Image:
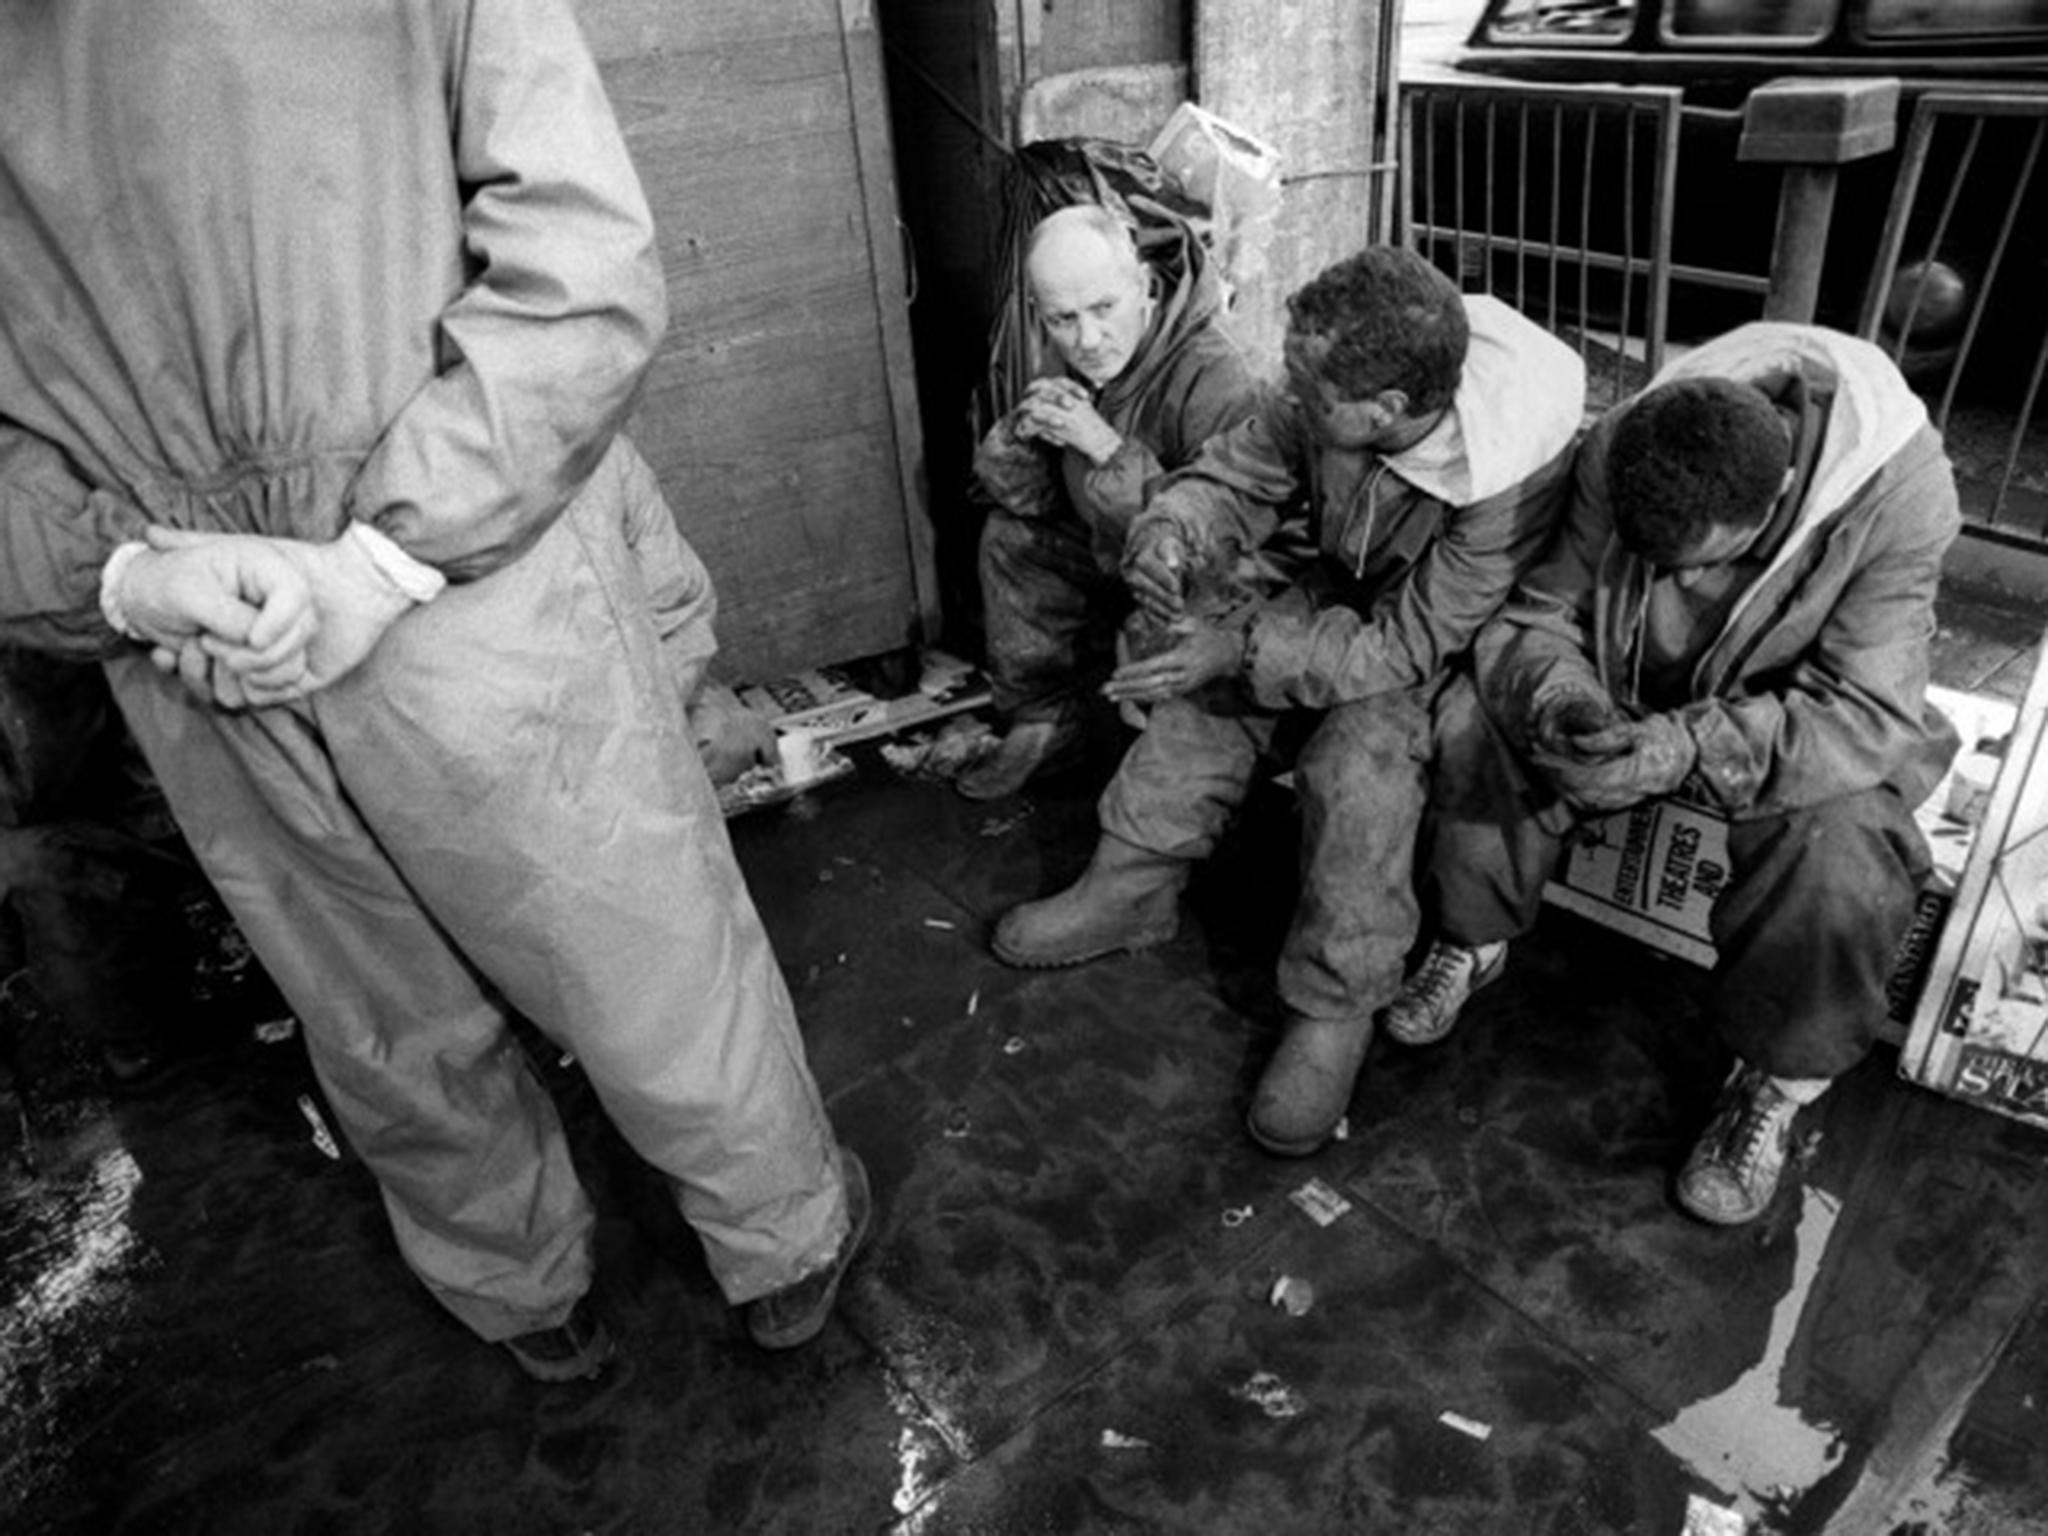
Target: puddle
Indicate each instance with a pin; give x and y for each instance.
(1745, 1440)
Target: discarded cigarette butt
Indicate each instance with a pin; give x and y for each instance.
(322, 1137)
(973, 1001)
(1463, 1425)
(938, 922)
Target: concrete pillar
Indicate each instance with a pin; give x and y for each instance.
(1310, 77)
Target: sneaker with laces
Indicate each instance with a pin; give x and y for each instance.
(796, 1314)
(1429, 1002)
(575, 1349)
(1734, 1168)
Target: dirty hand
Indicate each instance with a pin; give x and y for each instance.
(1202, 654)
(353, 604)
(730, 737)
(184, 592)
(1567, 722)
(1627, 763)
(1155, 569)
(1058, 411)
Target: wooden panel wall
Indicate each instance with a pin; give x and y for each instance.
(780, 412)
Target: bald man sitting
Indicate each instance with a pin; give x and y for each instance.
(1146, 374)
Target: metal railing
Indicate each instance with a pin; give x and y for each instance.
(1959, 296)
(1557, 199)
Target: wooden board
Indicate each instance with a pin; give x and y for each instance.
(780, 412)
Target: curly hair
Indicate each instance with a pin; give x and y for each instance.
(1691, 456)
(1392, 321)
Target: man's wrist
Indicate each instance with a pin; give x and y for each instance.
(414, 579)
(112, 575)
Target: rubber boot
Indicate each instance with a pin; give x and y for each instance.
(1128, 898)
(1306, 1087)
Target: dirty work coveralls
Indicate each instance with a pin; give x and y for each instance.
(275, 265)
(1052, 547)
(92, 869)
(1806, 698)
(1414, 551)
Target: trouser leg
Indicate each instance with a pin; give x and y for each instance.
(419, 1068)
(1807, 929)
(1493, 832)
(552, 817)
(1183, 778)
(1362, 779)
(1049, 611)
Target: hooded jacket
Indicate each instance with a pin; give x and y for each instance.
(1390, 563)
(254, 356)
(1815, 684)
(1187, 381)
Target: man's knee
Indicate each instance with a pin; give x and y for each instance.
(1373, 743)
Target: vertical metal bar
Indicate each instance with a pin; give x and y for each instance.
(1555, 236)
(1429, 100)
(1663, 213)
(1586, 226)
(1492, 192)
(2019, 433)
(1890, 244)
(1948, 208)
(1458, 196)
(1521, 204)
(1989, 280)
(1404, 175)
(1628, 245)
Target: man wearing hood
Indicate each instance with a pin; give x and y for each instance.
(1411, 471)
(1147, 374)
(1738, 610)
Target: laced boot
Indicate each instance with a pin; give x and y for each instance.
(1427, 1007)
(1029, 748)
(1127, 898)
(1306, 1087)
(1734, 1168)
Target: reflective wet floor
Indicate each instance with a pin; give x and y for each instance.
(1089, 1303)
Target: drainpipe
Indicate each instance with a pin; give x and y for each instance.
(1812, 128)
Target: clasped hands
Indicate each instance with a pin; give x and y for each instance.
(1599, 760)
(249, 621)
(1059, 411)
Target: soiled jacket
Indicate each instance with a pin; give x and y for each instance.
(1187, 381)
(1815, 685)
(1394, 561)
(263, 356)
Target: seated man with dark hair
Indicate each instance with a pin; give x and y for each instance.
(1414, 467)
(1738, 608)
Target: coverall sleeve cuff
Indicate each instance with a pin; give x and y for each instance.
(112, 574)
(414, 578)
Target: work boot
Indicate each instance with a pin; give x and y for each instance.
(1734, 1168)
(575, 1349)
(1427, 1007)
(1306, 1087)
(1028, 748)
(1127, 898)
(796, 1314)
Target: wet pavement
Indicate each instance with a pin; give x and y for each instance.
(1071, 1317)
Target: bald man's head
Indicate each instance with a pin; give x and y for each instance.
(1092, 290)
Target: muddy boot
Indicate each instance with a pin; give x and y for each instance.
(1128, 898)
(1306, 1087)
